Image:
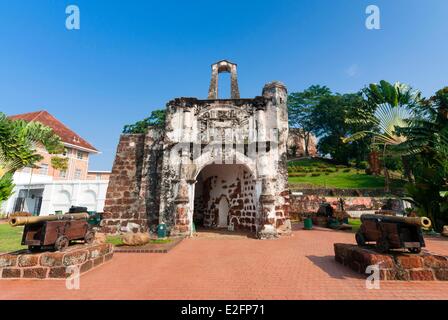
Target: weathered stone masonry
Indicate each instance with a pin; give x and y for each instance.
(183, 173)
(132, 199)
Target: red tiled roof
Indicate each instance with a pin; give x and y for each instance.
(67, 136)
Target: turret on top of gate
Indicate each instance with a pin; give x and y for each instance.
(217, 68)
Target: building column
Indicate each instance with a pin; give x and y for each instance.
(47, 203)
(213, 90)
(182, 200)
(267, 229)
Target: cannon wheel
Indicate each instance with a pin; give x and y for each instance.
(382, 245)
(61, 243)
(415, 250)
(89, 237)
(360, 239)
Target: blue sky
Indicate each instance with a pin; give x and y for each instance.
(131, 57)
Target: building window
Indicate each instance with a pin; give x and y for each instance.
(43, 169)
(80, 155)
(62, 174)
(78, 174)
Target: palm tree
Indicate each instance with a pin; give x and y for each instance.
(427, 131)
(427, 142)
(18, 142)
(393, 105)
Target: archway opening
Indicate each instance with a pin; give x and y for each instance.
(225, 199)
(224, 87)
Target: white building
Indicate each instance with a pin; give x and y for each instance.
(45, 190)
(41, 195)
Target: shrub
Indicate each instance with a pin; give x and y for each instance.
(362, 165)
(315, 174)
(339, 166)
(346, 170)
(297, 174)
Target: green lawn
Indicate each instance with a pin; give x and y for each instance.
(319, 173)
(10, 238)
(355, 223)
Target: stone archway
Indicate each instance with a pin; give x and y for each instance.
(225, 194)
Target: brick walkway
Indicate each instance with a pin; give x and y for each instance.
(297, 267)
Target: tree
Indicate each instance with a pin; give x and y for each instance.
(427, 143)
(300, 108)
(330, 125)
(18, 141)
(156, 119)
(392, 106)
(6, 186)
(427, 131)
(59, 163)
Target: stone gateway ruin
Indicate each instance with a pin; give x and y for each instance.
(217, 163)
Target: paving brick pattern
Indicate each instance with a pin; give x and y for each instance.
(301, 266)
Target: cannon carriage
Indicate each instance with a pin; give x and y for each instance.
(56, 231)
(392, 232)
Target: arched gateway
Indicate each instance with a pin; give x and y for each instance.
(225, 196)
(217, 162)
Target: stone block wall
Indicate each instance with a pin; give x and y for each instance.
(395, 265)
(133, 195)
(53, 265)
(309, 204)
(154, 177)
(238, 189)
(282, 212)
(124, 206)
(296, 144)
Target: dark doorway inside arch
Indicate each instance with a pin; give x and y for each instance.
(225, 199)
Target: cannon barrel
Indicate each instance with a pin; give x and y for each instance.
(21, 221)
(417, 221)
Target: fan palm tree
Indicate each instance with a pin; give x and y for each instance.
(393, 105)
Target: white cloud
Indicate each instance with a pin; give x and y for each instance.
(352, 71)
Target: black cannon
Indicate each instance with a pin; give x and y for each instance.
(55, 231)
(390, 232)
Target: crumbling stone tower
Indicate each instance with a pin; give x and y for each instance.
(217, 163)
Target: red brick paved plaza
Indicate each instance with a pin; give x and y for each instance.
(298, 267)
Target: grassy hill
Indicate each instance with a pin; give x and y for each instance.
(323, 173)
